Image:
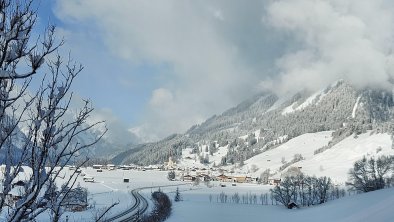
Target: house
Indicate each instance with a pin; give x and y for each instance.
(229, 179)
(111, 167)
(239, 179)
(292, 205)
(97, 166)
(255, 180)
(274, 181)
(204, 177)
(88, 179)
(188, 178)
(249, 179)
(222, 178)
(124, 167)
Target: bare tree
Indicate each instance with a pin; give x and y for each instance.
(264, 177)
(286, 193)
(49, 141)
(303, 191)
(323, 187)
(371, 174)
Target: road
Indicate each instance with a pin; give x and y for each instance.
(139, 207)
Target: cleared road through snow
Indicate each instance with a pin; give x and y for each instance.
(139, 207)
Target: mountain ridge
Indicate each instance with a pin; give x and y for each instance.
(340, 107)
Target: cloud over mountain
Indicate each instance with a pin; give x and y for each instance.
(210, 55)
(351, 40)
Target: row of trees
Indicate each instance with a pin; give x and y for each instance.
(367, 174)
(305, 191)
(237, 198)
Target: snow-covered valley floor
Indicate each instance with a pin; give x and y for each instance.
(197, 205)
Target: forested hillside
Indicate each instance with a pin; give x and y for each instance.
(267, 120)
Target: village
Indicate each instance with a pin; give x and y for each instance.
(96, 183)
(77, 198)
(193, 174)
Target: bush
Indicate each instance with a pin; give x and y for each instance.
(162, 208)
(171, 175)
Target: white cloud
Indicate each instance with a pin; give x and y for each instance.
(117, 133)
(217, 13)
(351, 40)
(161, 97)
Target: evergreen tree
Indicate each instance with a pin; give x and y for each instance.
(171, 175)
(177, 197)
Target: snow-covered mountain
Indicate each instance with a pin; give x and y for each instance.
(268, 122)
(116, 138)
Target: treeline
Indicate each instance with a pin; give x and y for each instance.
(248, 198)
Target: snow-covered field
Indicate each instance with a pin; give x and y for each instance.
(198, 206)
(374, 206)
(109, 188)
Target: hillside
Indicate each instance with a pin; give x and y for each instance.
(263, 123)
(334, 162)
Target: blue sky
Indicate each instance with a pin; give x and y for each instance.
(158, 67)
(109, 81)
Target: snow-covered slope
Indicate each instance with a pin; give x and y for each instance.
(314, 99)
(305, 145)
(334, 162)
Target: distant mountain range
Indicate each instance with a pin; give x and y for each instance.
(114, 141)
